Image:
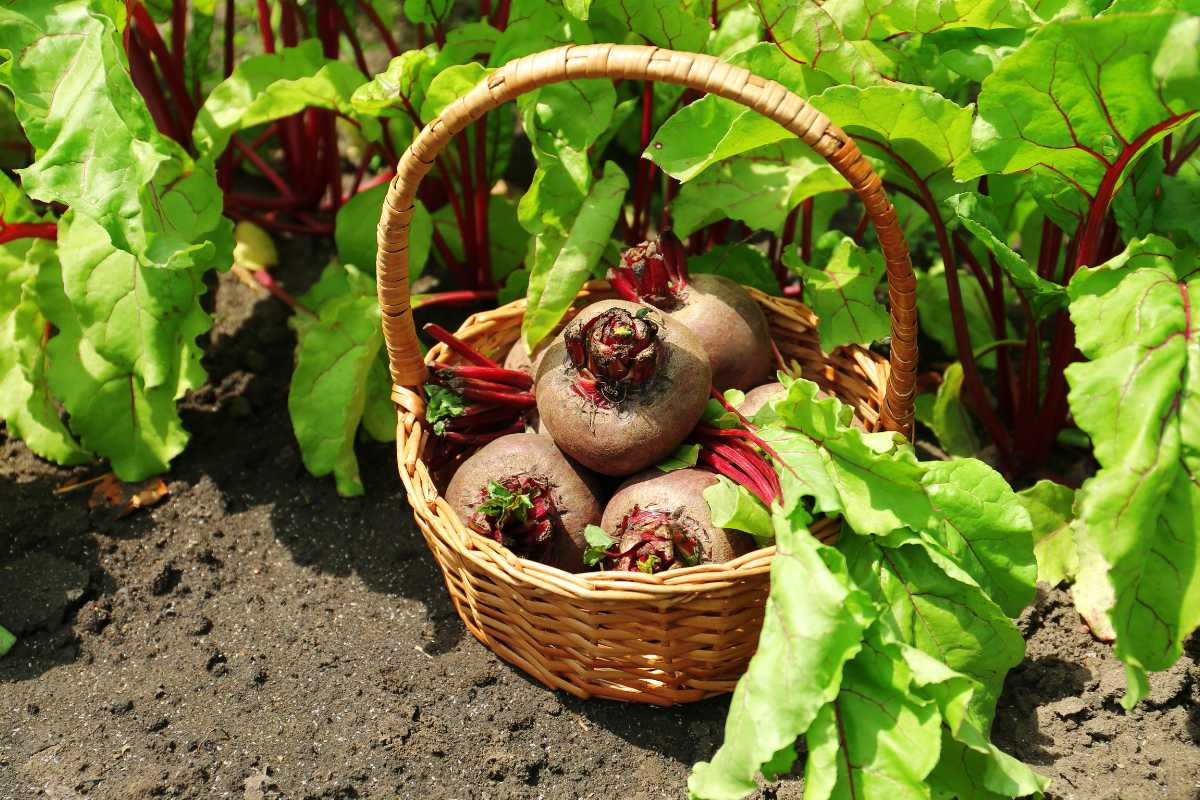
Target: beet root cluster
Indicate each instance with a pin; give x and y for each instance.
(620, 389)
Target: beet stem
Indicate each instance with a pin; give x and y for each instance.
(459, 346)
(490, 374)
(521, 399)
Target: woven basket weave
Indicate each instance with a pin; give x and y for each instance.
(680, 635)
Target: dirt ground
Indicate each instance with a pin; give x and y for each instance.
(255, 636)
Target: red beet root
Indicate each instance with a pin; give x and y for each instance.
(622, 387)
(521, 491)
(729, 324)
(660, 521)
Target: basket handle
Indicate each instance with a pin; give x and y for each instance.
(700, 72)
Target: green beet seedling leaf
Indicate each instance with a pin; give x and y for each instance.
(1051, 507)
(682, 457)
(7, 640)
(354, 231)
(398, 91)
(97, 149)
(113, 410)
(878, 738)
(675, 24)
(1137, 320)
(917, 134)
(759, 187)
(843, 295)
(741, 263)
(599, 543)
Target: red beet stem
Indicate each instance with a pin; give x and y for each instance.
(494, 375)
(520, 399)
(675, 258)
(459, 346)
(623, 286)
(735, 473)
(477, 423)
(481, 438)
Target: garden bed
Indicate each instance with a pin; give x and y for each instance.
(257, 636)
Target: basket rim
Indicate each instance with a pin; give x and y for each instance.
(436, 517)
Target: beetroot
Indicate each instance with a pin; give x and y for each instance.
(759, 396)
(657, 521)
(522, 492)
(730, 325)
(518, 358)
(621, 387)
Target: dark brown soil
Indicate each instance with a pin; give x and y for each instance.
(255, 636)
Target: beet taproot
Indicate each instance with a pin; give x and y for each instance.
(729, 323)
(622, 386)
(521, 491)
(660, 521)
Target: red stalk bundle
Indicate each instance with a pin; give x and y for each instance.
(481, 401)
(737, 453)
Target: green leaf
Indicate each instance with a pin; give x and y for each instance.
(398, 91)
(1137, 320)
(1050, 506)
(976, 214)
(949, 417)
(675, 24)
(741, 263)
(442, 404)
(97, 149)
(759, 187)
(560, 268)
(271, 86)
(682, 457)
(843, 295)
(354, 231)
(7, 640)
(379, 412)
(732, 506)
(26, 404)
(981, 523)
(113, 410)
(427, 11)
(578, 8)
(1080, 100)
(813, 625)
(449, 85)
(937, 608)
(878, 738)
(918, 131)
(599, 544)
(713, 128)
(933, 300)
(335, 355)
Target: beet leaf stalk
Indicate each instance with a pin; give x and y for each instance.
(472, 404)
(738, 453)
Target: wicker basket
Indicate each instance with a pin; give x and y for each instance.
(684, 634)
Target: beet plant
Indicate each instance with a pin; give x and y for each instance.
(622, 386)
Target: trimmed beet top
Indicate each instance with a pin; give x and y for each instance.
(729, 324)
(658, 521)
(622, 386)
(523, 493)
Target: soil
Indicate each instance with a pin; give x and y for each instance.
(256, 636)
